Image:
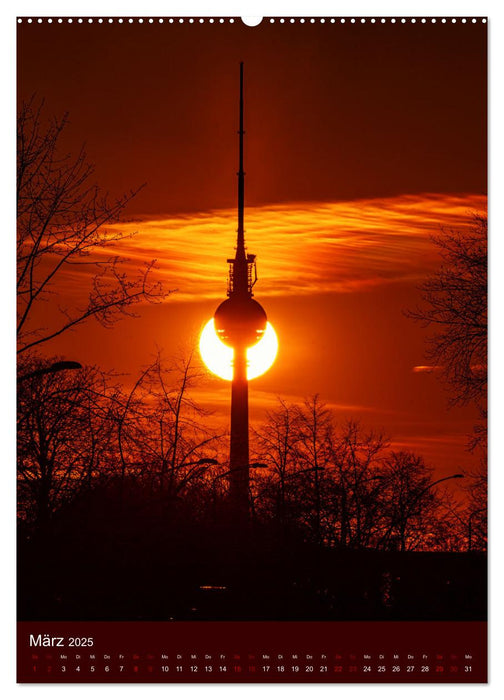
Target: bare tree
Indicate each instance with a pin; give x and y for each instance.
(476, 510)
(410, 503)
(313, 456)
(62, 220)
(294, 443)
(456, 306)
(343, 487)
(162, 436)
(460, 525)
(276, 443)
(66, 436)
(356, 490)
(456, 301)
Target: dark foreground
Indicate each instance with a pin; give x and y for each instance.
(98, 571)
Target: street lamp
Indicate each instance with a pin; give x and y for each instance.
(417, 497)
(51, 369)
(201, 462)
(434, 483)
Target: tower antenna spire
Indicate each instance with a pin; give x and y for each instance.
(240, 245)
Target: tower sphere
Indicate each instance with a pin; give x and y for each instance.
(240, 321)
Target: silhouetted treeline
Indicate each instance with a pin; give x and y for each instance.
(124, 511)
(337, 486)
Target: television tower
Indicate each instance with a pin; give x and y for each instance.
(240, 323)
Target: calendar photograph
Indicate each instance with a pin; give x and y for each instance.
(252, 349)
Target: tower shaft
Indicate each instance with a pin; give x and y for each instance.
(239, 448)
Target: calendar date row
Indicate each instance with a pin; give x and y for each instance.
(251, 669)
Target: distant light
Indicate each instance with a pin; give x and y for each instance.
(213, 588)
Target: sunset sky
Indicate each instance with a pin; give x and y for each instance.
(361, 142)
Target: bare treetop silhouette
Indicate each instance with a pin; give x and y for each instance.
(62, 219)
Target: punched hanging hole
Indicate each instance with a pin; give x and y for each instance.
(251, 21)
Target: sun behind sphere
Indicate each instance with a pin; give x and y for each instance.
(240, 322)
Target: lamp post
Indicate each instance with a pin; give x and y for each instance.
(195, 464)
(416, 499)
(51, 369)
(434, 483)
(60, 366)
(201, 462)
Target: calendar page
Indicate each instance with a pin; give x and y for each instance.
(252, 349)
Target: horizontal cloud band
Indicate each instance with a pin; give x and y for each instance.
(302, 248)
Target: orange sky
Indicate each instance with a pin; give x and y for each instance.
(361, 141)
(334, 278)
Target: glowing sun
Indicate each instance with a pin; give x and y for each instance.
(219, 357)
